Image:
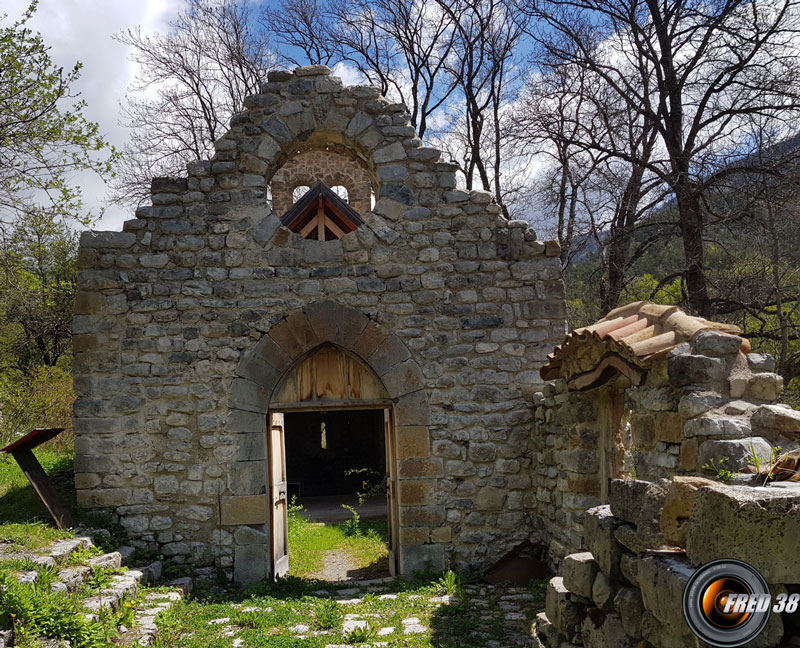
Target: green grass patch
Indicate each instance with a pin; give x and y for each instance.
(310, 542)
(18, 501)
(31, 535)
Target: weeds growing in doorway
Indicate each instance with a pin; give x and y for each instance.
(311, 542)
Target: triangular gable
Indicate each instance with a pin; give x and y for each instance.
(321, 215)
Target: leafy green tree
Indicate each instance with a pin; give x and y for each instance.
(42, 141)
(37, 287)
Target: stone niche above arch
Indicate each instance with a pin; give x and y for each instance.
(334, 165)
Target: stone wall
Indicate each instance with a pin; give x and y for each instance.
(186, 321)
(702, 403)
(333, 167)
(626, 591)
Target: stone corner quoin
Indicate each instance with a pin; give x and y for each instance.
(186, 321)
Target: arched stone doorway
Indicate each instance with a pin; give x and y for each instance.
(325, 355)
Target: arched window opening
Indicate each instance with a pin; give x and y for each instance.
(341, 191)
(299, 192)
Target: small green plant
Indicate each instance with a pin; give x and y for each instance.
(82, 555)
(127, 614)
(361, 634)
(754, 459)
(722, 473)
(451, 582)
(329, 615)
(100, 578)
(372, 483)
(352, 527)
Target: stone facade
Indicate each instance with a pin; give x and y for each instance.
(186, 321)
(333, 166)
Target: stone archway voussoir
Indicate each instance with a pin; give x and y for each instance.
(295, 334)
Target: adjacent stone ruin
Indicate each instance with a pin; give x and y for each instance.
(187, 320)
(651, 395)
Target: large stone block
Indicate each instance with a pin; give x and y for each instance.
(698, 370)
(240, 510)
(776, 420)
(625, 498)
(605, 631)
(716, 426)
(741, 453)
(565, 615)
(578, 572)
(758, 525)
(628, 603)
(716, 344)
(250, 563)
(421, 558)
(678, 508)
(662, 581)
(598, 533)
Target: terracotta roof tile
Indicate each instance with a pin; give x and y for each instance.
(626, 340)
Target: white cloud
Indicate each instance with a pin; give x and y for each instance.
(82, 30)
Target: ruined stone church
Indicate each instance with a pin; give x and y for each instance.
(323, 260)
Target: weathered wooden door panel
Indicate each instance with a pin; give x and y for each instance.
(391, 492)
(329, 375)
(279, 536)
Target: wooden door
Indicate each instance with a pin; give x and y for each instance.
(279, 531)
(391, 492)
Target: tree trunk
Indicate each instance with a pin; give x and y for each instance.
(690, 219)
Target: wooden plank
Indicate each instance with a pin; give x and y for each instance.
(44, 487)
(309, 227)
(279, 509)
(392, 504)
(317, 405)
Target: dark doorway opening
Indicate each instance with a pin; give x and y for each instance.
(324, 449)
(336, 471)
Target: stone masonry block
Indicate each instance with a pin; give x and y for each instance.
(678, 507)
(598, 531)
(413, 442)
(415, 492)
(628, 603)
(391, 352)
(250, 563)
(561, 610)
(696, 370)
(579, 571)
(738, 452)
(403, 378)
(604, 631)
(412, 409)
(248, 477)
(370, 339)
(415, 468)
(626, 496)
(337, 323)
(776, 420)
(248, 509)
(760, 526)
(294, 334)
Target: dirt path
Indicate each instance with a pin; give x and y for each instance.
(338, 565)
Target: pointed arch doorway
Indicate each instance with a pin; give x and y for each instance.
(326, 379)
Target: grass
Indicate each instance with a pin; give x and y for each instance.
(310, 542)
(18, 501)
(263, 615)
